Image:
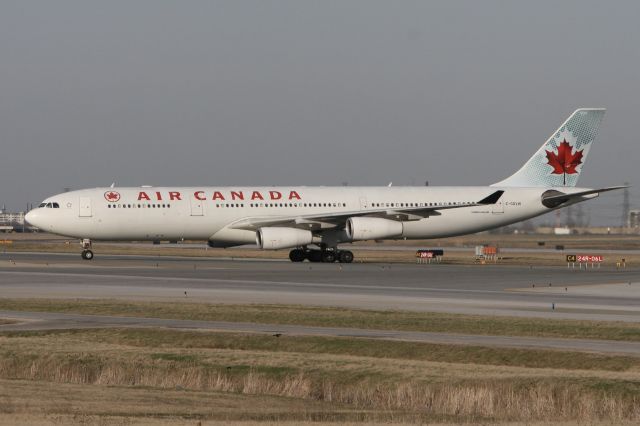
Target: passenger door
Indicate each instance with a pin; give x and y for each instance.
(197, 207)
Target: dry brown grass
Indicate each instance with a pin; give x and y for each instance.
(497, 400)
(339, 386)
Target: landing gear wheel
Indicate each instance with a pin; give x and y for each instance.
(314, 256)
(297, 255)
(345, 256)
(87, 254)
(328, 257)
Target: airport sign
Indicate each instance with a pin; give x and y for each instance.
(590, 258)
(585, 258)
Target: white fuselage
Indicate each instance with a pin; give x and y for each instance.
(208, 213)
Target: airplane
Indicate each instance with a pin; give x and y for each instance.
(313, 221)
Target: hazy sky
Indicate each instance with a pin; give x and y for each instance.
(309, 92)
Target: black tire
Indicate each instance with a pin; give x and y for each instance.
(87, 255)
(296, 255)
(328, 257)
(346, 256)
(314, 256)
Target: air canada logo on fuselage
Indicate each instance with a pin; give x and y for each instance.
(112, 196)
(231, 195)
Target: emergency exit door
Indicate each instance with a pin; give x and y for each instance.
(197, 208)
(363, 203)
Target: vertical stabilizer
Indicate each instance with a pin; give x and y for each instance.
(560, 160)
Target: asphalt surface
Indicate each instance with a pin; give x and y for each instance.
(540, 292)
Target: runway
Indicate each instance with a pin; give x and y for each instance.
(604, 294)
(539, 292)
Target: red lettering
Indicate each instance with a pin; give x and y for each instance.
(143, 196)
(159, 196)
(199, 196)
(275, 195)
(294, 194)
(237, 195)
(256, 196)
(218, 196)
(174, 195)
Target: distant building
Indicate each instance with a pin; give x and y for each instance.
(633, 220)
(12, 221)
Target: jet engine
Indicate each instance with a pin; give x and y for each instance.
(273, 238)
(372, 228)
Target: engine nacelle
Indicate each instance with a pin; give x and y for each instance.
(273, 238)
(372, 228)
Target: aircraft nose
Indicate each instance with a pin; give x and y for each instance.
(34, 218)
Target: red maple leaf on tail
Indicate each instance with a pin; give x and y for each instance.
(565, 161)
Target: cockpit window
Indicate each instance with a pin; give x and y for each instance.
(50, 205)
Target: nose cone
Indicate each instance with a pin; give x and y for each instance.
(34, 217)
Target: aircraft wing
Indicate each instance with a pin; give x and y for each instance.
(554, 198)
(333, 220)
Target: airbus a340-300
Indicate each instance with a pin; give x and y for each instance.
(313, 221)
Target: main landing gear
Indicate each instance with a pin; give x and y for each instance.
(325, 255)
(87, 254)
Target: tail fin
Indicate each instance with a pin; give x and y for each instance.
(559, 161)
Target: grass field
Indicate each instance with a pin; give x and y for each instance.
(158, 376)
(337, 317)
(188, 376)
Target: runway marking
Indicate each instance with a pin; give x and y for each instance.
(280, 283)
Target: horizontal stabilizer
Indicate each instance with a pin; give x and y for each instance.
(554, 198)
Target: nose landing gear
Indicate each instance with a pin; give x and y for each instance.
(87, 254)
